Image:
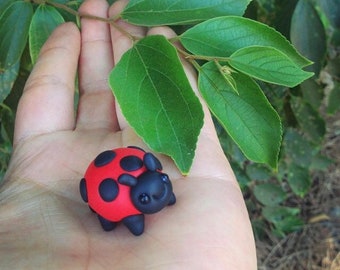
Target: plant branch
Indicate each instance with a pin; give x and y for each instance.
(61, 6)
(111, 21)
(208, 58)
(192, 58)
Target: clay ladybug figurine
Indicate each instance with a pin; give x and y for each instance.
(123, 184)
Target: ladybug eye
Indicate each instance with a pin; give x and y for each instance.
(144, 198)
(165, 178)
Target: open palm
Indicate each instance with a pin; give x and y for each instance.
(44, 223)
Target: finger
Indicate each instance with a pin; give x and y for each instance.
(208, 146)
(122, 42)
(47, 103)
(96, 103)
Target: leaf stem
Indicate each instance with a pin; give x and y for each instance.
(195, 64)
(208, 58)
(61, 6)
(112, 21)
(193, 58)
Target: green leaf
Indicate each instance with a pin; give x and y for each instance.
(309, 119)
(170, 12)
(299, 179)
(333, 104)
(44, 21)
(242, 179)
(7, 79)
(269, 194)
(268, 64)
(4, 4)
(297, 149)
(14, 25)
(221, 37)
(230, 148)
(258, 172)
(320, 162)
(157, 100)
(331, 8)
(278, 213)
(308, 34)
(313, 93)
(289, 224)
(285, 219)
(259, 228)
(248, 117)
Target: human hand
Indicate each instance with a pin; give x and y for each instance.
(44, 223)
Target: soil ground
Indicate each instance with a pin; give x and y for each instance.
(317, 245)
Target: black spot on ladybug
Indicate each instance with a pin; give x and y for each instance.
(108, 189)
(104, 158)
(131, 163)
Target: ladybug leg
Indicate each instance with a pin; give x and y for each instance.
(83, 190)
(106, 224)
(172, 199)
(135, 224)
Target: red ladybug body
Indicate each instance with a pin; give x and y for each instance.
(122, 184)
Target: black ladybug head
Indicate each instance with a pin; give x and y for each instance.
(152, 192)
